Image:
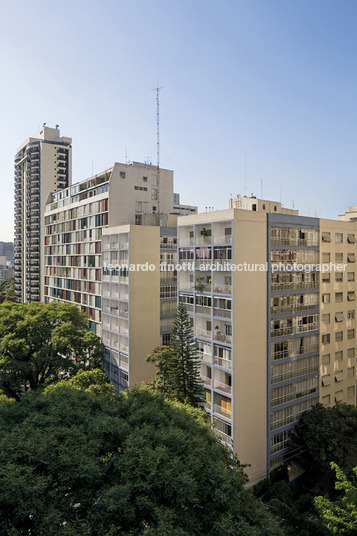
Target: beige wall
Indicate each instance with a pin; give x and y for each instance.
(249, 349)
(144, 301)
(124, 196)
(338, 374)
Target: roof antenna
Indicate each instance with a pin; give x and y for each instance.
(157, 89)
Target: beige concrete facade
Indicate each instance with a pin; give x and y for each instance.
(338, 312)
(243, 202)
(285, 344)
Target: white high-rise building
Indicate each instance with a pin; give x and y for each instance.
(43, 164)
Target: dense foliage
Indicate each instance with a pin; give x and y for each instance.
(77, 461)
(340, 515)
(40, 343)
(7, 290)
(325, 435)
(324, 441)
(177, 366)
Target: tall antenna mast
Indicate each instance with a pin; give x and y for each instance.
(157, 89)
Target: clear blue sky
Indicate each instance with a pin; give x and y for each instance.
(274, 80)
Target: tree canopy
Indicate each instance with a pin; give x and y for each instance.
(7, 290)
(177, 366)
(74, 461)
(40, 343)
(340, 515)
(324, 435)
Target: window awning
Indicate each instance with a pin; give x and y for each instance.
(326, 237)
(339, 376)
(351, 257)
(326, 380)
(351, 239)
(339, 317)
(338, 396)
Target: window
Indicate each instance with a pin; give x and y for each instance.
(338, 238)
(350, 334)
(166, 339)
(339, 376)
(350, 315)
(326, 237)
(326, 278)
(338, 297)
(350, 276)
(122, 174)
(339, 317)
(325, 380)
(326, 359)
(351, 390)
(326, 338)
(326, 318)
(351, 352)
(339, 277)
(351, 257)
(338, 356)
(351, 296)
(339, 257)
(275, 208)
(351, 239)
(326, 298)
(350, 372)
(339, 396)
(339, 336)
(326, 257)
(325, 400)
(145, 179)
(263, 206)
(143, 188)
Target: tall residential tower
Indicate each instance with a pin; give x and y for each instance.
(43, 164)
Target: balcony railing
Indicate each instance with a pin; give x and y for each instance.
(206, 380)
(203, 333)
(294, 285)
(222, 411)
(186, 241)
(223, 289)
(222, 239)
(294, 242)
(203, 356)
(292, 330)
(222, 337)
(281, 309)
(277, 378)
(226, 363)
(223, 313)
(222, 386)
(282, 354)
(225, 438)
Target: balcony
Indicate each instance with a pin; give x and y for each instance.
(206, 380)
(293, 330)
(222, 386)
(220, 410)
(203, 333)
(225, 438)
(226, 363)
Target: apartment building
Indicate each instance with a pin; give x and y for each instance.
(42, 165)
(139, 299)
(338, 312)
(266, 353)
(94, 231)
